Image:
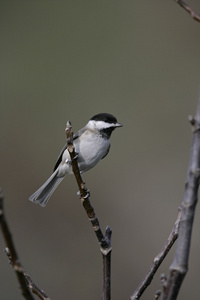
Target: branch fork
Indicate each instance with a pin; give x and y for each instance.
(183, 225)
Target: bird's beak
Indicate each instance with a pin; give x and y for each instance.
(118, 125)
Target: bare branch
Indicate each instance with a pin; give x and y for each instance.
(179, 267)
(158, 260)
(26, 284)
(104, 240)
(13, 253)
(107, 268)
(40, 293)
(192, 13)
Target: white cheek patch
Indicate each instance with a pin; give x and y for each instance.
(100, 124)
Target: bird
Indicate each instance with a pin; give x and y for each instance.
(92, 143)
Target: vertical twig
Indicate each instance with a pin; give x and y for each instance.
(107, 267)
(179, 267)
(104, 240)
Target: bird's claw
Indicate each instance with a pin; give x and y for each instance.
(75, 157)
(87, 195)
(70, 161)
(84, 197)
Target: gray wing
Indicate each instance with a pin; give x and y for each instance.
(59, 159)
(76, 135)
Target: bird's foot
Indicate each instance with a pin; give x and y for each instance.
(84, 197)
(70, 161)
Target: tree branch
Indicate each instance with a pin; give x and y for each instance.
(26, 284)
(107, 268)
(33, 287)
(179, 267)
(158, 260)
(104, 240)
(13, 253)
(192, 13)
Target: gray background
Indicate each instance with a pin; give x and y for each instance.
(60, 60)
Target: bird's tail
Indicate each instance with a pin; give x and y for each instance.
(42, 195)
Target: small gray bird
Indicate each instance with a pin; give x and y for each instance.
(92, 143)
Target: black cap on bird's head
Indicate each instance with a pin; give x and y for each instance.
(107, 118)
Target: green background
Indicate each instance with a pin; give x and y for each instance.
(68, 60)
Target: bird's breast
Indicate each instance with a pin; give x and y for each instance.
(91, 150)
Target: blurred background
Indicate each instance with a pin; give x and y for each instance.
(69, 60)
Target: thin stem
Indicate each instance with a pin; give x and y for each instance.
(192, 13)
(33, 287)
(107, 268)
(158, 260)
